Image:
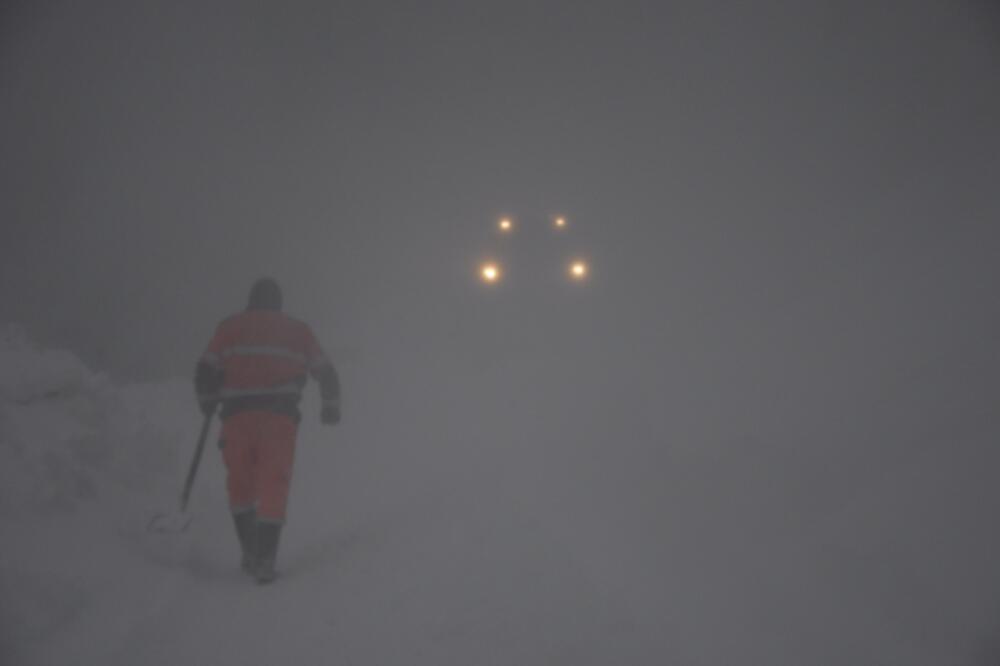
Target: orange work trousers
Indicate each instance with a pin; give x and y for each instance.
(258, 448)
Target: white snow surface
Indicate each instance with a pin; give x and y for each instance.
(550, 538)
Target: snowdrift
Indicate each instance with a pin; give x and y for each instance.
(68, 435)
(81, 462)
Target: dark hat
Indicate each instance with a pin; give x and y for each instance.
(265, 295)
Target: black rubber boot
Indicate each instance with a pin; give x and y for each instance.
(246, 530)
(268, 535)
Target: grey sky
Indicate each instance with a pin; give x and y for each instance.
(159, 156)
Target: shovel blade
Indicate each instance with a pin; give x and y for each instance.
(169, 522)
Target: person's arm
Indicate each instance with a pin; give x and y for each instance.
(325, 374)
(329, 391)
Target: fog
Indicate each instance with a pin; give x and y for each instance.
(764, 429)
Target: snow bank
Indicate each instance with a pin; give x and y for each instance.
(68, 434)
(28, 373)
(83, 463)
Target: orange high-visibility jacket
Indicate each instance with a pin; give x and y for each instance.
(259, 359)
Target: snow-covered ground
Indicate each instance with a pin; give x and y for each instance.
(538, 528)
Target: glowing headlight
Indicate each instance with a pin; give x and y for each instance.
(578, 270)
(489, 272)
(560, 222)
(506, 225)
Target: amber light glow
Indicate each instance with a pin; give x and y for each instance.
(578, 270)
(560, 222)
(506, 224)
(489, 272)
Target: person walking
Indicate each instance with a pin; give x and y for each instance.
(255, 367)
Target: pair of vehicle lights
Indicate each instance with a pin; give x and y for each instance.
(492, 273)
(506, 225)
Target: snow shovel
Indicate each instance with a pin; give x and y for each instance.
(168, 523)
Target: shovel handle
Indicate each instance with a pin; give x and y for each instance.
(193, 469)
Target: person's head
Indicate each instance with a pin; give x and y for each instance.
(265, 295)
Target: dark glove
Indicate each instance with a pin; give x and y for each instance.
(330, 415)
